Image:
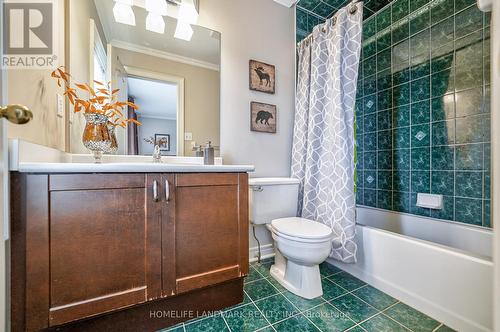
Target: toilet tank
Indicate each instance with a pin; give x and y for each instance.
(272, 198)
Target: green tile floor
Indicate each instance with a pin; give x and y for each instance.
(347, 304)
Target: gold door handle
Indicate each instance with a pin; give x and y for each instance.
(16, 113)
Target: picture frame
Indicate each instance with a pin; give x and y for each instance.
(263, 117)
(262, 77)
(163, 141)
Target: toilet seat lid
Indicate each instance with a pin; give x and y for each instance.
(301, 228)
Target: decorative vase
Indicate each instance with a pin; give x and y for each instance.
(96, 136)
(112, 134)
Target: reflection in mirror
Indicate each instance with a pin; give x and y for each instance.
(175, 82)
(158, 111)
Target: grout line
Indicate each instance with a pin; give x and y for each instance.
(267, 320)
(438, 327)
(225, 322)
(378, 313)
(394, 320)
(302, 311)
(310, 12)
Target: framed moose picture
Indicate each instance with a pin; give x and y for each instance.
(263, 117)
(262, 77)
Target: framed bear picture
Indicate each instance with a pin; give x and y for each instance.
(262, 77)
(263, 117)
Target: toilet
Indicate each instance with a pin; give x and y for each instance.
(300, 244)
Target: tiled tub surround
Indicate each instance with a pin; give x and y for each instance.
(423, 115)
(348, 304)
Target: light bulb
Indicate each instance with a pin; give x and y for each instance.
(187, 12)
(155, 23)
(123, 13)
(159, 7)
(183, 31)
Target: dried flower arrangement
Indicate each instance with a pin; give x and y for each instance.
(103, 101)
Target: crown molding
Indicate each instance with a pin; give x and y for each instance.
(164, 55)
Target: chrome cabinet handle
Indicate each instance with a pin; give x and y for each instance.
(155, 191)
(167, 191)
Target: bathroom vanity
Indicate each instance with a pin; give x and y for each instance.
(119, 247)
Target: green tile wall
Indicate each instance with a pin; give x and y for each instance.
(305, 22)
(423, 114)
(313, 12)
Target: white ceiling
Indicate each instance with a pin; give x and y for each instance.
(155, 99)
(286, 3)
(204, 45)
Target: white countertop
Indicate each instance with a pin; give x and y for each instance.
(33, 158)
(129, 168)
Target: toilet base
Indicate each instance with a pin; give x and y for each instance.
(304, 281)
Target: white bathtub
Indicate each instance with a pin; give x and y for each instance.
(443, 269)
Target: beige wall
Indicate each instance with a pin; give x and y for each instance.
(261, 30)
(201, 94)
(35, 89)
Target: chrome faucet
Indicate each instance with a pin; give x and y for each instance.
(156, 151)
(157, 154)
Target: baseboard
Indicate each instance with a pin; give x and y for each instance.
(266, 251)
(449, 318)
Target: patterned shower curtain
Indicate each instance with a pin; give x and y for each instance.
(323, 142)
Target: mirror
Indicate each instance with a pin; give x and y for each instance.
(174, 82)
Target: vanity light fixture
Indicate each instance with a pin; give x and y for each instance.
(123, 13)
(159, 7)
(154, 21)
(188, 12)
(183, 31)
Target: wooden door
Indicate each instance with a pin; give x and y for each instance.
(91, 244)
(211, 229)
(4, 199)
(4, 192)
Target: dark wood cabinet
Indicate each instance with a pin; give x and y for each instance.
(211, 245)
(89, 244)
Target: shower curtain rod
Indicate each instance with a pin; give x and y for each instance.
(352, 11)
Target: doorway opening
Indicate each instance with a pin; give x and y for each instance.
(160, 113)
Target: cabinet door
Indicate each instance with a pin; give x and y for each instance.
(211, 229)
(104, 244)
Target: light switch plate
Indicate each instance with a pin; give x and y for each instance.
(60, 105)
(188, 136)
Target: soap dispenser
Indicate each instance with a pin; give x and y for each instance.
(208, 154)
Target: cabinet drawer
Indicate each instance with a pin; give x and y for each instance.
(204, 179)
(95, 181)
